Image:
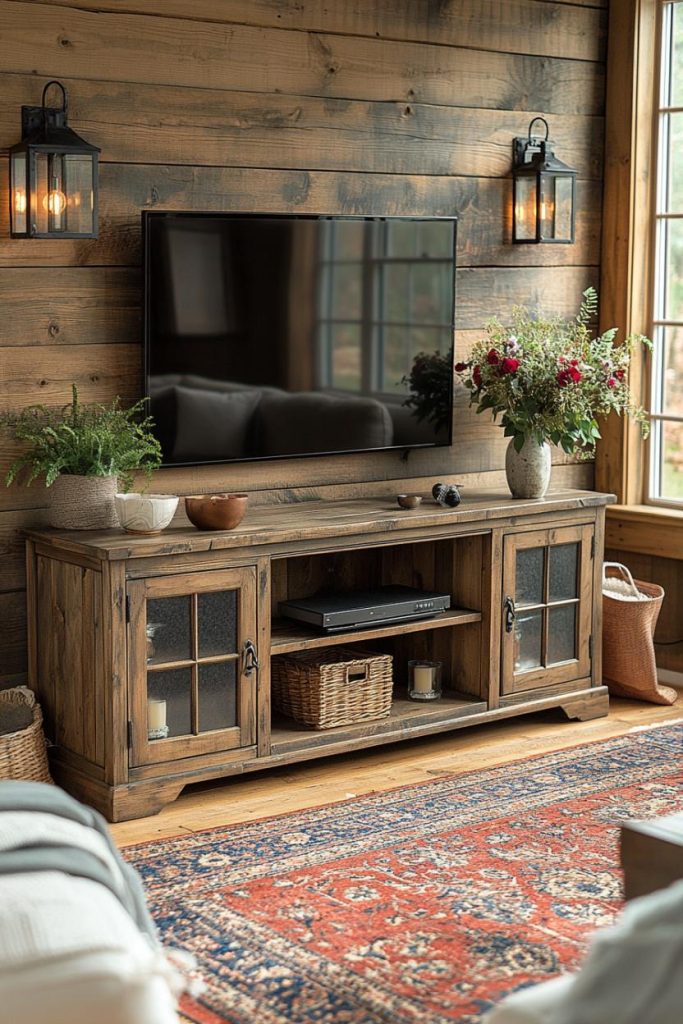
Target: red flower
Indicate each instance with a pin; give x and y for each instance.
(461, 367)
(493, 358)
(619, 374)
(508, 365)
(476, 376)
(570, 375)
(611, 383)
(573, 362)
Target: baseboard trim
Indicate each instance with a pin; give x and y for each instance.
(674, 679)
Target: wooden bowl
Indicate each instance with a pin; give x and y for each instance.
(216, 511)
(409, 500)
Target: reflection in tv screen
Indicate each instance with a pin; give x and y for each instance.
(277, 336)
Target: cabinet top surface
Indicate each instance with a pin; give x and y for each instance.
(299, 522)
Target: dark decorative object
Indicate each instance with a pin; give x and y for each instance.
(431, 383)
(447, 495)
(53, 176)
(544, 191)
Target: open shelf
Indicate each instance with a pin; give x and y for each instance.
(288, 636)
(405, 717)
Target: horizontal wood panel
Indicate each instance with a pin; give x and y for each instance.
(484, 206)
(334, 478)
(12, 545)
(173, 125)
(192, 54)
(50, 306)
(72, 306)
(13, 633)
(528, 26)
(101, 372)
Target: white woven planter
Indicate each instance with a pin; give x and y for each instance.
(83, 503)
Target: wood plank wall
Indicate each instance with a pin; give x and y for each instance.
(370, 106)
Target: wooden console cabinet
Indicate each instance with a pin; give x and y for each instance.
(189, 619)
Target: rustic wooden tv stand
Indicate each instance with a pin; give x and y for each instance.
(189, 620)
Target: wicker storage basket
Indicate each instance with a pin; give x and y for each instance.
(630, 612)
(336, 686)
(23, 754)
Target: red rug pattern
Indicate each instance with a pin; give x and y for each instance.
(424, 904)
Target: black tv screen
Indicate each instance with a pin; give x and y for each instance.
(277, 336)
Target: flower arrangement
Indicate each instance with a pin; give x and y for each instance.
(429, 382)
(550, 379)
(82, 440)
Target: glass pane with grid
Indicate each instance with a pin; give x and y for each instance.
(192, 663)
(666, 392)
(546, 601)
(373, 296)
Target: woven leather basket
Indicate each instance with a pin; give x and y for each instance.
(337, 686)
(630, 611)
(23, 754)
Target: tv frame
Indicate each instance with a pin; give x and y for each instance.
(149, 215)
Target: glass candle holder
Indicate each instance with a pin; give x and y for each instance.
(424, 680)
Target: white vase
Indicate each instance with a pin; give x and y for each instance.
(528, 470)
(83, 502)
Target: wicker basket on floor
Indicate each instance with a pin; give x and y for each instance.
(630, 609)
(337, 686)
(23, 754)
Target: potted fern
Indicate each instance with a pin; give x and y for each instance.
(82, 451)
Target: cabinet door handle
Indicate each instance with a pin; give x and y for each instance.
(249, 658)
(509, 606)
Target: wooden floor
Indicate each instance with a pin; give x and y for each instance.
(327, 780)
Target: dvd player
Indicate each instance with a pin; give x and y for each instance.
(338, 612)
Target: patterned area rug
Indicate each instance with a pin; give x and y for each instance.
(423, 904)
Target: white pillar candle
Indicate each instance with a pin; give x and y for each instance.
(156, 715)
(423, 678)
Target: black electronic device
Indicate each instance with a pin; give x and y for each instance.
(335, 613)
(270, 336)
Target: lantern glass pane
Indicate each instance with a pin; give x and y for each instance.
(79, 192)
(564, 204)
(525, 209)
(39, 194)
(18, 194)
(556, 207)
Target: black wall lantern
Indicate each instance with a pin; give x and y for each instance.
(53, 176)
(544, 192)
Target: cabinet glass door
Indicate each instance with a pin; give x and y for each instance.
(547, 607)
(192, 672)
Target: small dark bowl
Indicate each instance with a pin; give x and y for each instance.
(216, 511)
(409, 500)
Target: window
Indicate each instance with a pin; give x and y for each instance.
(666, 395)
(386, 295)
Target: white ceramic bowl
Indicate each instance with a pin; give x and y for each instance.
(145, 513)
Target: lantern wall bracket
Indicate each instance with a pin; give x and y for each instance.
(524, 147)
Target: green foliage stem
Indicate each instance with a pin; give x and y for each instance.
(549, 379)
(82, 440)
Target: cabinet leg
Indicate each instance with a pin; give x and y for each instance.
(143, 799)
(594, 704)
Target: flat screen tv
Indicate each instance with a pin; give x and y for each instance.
(278, 336)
